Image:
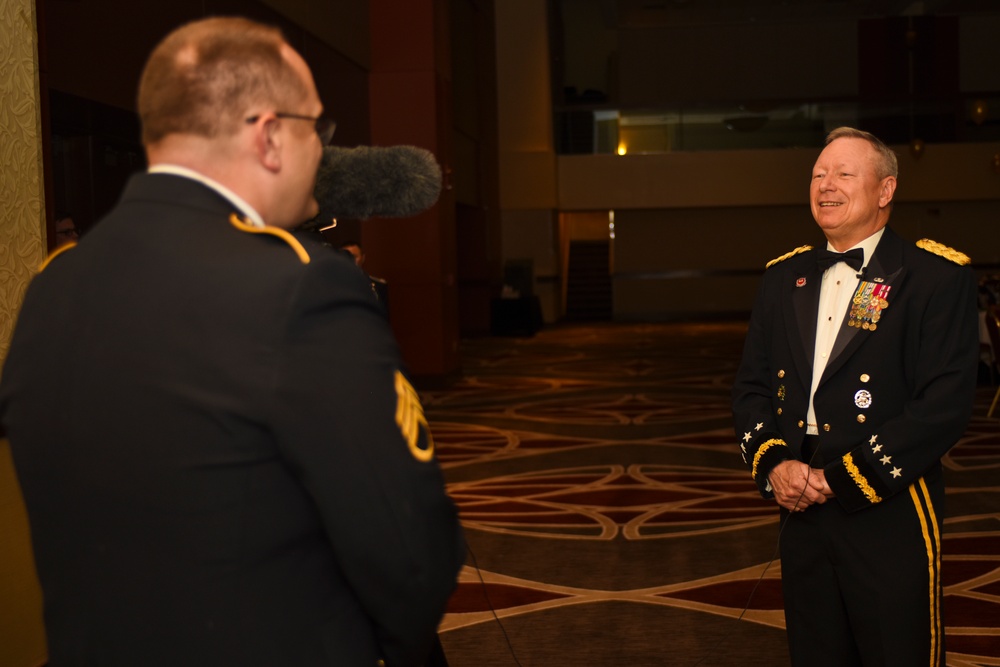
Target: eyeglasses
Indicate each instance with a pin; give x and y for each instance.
(325, 127)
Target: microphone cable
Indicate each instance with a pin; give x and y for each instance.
(774, 557)
(482, 581)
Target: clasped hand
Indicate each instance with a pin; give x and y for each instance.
(797, 486)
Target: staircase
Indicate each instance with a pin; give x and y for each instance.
(588, 282)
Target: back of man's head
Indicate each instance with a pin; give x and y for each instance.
(204, 76)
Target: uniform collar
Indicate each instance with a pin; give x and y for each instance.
(868, 245)
(248, 211)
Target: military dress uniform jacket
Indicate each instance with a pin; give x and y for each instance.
(894, 396)
(222, 461)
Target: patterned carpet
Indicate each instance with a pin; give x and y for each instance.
(610, 518)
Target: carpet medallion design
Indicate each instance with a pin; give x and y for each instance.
(611, 520)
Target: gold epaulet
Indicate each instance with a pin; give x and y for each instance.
(800, 249)
(55, 253)
(944, 251)
(235, 221)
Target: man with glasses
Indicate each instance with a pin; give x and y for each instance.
(65, 230)
(239, 472)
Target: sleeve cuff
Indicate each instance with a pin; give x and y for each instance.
(854, 483)
(770, 452)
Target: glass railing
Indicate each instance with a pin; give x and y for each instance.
(596, 129)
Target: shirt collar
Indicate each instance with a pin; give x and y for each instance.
(253, 217)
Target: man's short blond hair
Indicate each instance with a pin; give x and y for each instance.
(205, 77)
(886, 163)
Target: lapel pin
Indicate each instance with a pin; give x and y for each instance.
(801, 282)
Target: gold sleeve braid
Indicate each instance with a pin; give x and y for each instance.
(860, 480)
(762, 450)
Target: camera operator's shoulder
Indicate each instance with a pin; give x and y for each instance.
(61, 250)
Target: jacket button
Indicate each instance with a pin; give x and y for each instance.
(801, 423)
(865, 377)
(861, 419)
(826, 427)
(779, 411)
(781, 374)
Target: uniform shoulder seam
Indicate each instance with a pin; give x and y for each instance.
(942, 250)
(293, 242)
(800, 249)
(55, 253)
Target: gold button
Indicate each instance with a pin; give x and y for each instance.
(779, 411)
(865, 377)
(826, 427)
(781, 374)
(861, 419)
(801, 423)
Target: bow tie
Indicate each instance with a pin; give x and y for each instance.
(854, 258)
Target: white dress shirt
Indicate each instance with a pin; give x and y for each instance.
(839, 284)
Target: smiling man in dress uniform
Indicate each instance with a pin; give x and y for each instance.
(238, 472)
(858, 375)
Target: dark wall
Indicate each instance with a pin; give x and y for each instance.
(92, 53)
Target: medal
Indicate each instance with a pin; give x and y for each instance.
(868, 303)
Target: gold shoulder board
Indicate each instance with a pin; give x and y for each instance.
(293, 242)
(944, 251)
(800, 249)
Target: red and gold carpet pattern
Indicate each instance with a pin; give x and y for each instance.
(610, 518)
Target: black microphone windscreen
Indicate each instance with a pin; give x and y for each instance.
(372, 181)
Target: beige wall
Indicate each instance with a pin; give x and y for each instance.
(22, 222)
(690, 262)
(524, 106)
(527, 169)
(712, 212)
(22, 243)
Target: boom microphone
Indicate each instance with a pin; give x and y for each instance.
(367, 181)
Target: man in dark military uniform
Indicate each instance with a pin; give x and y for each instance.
(858, 375)
(222, 461)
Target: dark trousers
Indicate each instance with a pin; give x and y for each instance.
(864, 589)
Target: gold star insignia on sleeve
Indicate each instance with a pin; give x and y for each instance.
(876, 449)
(872, 441)
(747, 436)
(886, 460)
(897, 472)
(759, 426)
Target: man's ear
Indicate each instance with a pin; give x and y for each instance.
(267, 142)
(886, 190)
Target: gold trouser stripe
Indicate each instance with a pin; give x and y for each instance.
(928, 522)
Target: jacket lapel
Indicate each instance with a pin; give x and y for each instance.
(886, 268)
(800, 319)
